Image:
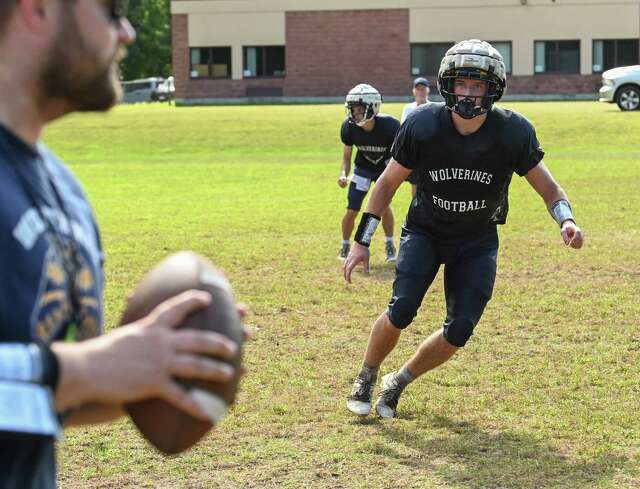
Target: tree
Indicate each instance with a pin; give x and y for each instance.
(150, 54)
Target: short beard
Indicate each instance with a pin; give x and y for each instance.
(71, 74)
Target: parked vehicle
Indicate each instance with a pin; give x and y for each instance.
(148, 90)
(622, 86)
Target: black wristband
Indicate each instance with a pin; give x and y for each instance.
(50, 366)
(368, 224)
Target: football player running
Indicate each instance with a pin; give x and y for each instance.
(465, 151)
(372, 134)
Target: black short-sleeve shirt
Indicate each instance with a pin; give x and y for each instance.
(374, 148)
(463, 181)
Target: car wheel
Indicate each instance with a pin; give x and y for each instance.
(628, 98)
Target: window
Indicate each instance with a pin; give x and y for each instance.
(611, 53)
(263, 61)
(557, 57)
(504, 48)
(210, 63)
(426, 58)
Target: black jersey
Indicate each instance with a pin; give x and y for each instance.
(374, 148)
(463, 181)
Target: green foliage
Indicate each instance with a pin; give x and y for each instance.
(545, 395)
(150, 55)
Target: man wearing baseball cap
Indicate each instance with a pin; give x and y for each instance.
(421, 94)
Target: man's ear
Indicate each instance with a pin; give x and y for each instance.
(36, 14)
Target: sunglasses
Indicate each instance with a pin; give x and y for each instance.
(118, 9)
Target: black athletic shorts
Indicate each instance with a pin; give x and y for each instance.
(469, 275)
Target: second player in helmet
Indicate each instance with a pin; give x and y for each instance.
(372, 134)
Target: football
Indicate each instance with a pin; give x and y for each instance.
(166, 427)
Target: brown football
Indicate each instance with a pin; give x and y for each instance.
(166, 427)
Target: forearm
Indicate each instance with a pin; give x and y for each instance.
(345, 168)
(558, 205)
(95, 413)
(380, 199)
(540, 178)
(553, 196)
(376, 207)
(346, 160)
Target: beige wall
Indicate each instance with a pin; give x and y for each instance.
(238, 23)
(193, 6)
(236, 30)
(543, 23)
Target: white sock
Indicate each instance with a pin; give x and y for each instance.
(345, 241)
(389, 239)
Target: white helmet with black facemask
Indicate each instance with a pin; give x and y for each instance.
(367, 96)
(476, 60)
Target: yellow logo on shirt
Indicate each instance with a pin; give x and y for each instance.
(54, 310)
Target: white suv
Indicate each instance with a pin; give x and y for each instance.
(622, 86)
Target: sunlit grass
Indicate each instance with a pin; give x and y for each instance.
(546, 393)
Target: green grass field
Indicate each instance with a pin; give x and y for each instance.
(545, 395)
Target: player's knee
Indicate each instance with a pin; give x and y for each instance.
(402, 311)
(458, 331)
(350, 215)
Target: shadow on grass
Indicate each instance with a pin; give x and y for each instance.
(470, 457)
(366, 421)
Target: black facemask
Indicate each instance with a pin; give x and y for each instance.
(467, 108)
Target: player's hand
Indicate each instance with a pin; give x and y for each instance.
(358, 254)
(342, 181)
(572, 234)
(142, 360)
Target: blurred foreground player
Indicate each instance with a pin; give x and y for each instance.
(54, 369)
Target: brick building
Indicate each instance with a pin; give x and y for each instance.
(296, 49)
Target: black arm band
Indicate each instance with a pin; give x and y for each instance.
(50, 366)
(561, 212)
(29, 362)
(368, 224)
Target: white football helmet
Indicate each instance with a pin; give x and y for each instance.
(477, 60)
(367, 96)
